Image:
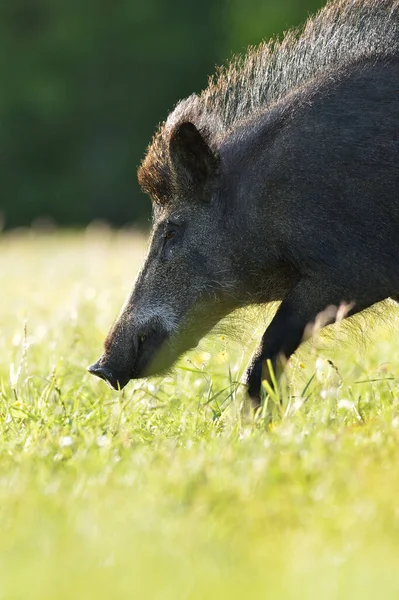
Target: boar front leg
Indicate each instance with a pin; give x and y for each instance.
(297, 311)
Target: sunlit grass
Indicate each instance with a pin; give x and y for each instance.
(168, 489)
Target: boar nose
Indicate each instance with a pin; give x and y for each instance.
(114, 380)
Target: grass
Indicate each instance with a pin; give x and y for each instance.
(168, 490)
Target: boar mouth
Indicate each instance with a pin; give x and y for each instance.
(143, 359)
(153, 350)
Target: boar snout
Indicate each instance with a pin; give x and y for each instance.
(130, 355)
(110, 376)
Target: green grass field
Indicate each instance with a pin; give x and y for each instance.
(168, 490)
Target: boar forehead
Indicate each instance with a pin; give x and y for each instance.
(187, 210)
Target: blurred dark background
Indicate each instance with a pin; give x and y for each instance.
(84, 84)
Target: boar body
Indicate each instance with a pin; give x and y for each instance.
(279, 182)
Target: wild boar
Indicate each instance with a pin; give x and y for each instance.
(279, 182)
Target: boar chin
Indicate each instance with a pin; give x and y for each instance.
(168, 353)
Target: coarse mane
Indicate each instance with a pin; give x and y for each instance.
(343, 32)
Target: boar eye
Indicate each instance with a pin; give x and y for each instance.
(170, 234)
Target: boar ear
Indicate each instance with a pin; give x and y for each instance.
(193, 160)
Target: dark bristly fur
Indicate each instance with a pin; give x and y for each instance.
(280, 181)
(339, 35)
